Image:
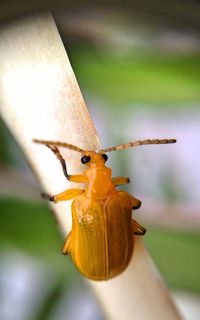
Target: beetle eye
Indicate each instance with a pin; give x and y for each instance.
(85, 159)
(105, 157)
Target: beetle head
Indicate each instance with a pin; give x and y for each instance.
(93, 159)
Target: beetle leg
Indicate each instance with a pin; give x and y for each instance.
(136, 204)
(66, 249)
(117, 181)
(64, 196)
(137, 228)
(73, 178)
(58, 155)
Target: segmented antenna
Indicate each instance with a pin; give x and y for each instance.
(59, 144)
(137, 143)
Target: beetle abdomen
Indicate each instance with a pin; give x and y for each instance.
(101, 238)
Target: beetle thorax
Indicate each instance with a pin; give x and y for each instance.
(100, 184)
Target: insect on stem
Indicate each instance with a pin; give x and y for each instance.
(100, 198)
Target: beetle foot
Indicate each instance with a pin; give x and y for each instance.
(137, 204)
(46, 196)
(137, 228)
(65, 252)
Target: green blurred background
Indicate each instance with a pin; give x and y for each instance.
(139, 62)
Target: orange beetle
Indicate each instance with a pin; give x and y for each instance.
(101, 240)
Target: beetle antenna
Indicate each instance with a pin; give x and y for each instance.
(59, 144)
(137, 143)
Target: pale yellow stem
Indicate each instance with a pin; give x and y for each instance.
(40, 99)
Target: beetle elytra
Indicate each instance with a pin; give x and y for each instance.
(101, 241)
